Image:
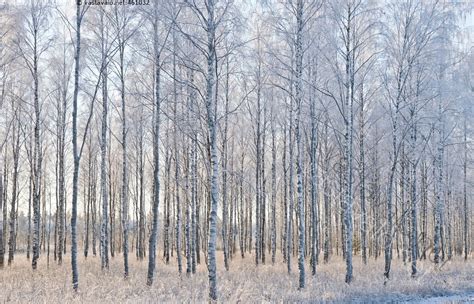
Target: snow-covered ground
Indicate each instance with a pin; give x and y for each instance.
(459, 298)
(463, 297)
(244, 283)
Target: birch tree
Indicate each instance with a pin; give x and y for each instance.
(279, 122)
(466, 209)
(125, 29)
(156, 142)
(212, 21)
(104, 233)
(77, 151)
(314, 174)
(32, 45)
(273, 229)
(299, 143)
(208, 15)
(409, 34)
(14, 201)
(353, 28)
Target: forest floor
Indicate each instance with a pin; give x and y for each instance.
(244, 283)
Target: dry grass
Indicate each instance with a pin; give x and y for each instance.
(244, 283)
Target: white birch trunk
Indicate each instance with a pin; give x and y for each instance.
(156, 152)
(299, 140)
(37, 148)
(76, 153)
(439, 186)
(348, 138)
(314, 178)
(274, 193)
(211, 124)
(104, 232)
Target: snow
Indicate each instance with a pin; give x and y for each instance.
(244, 283)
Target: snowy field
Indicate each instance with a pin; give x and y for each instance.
(245, 283)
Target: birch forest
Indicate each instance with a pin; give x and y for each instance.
(236, 151)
